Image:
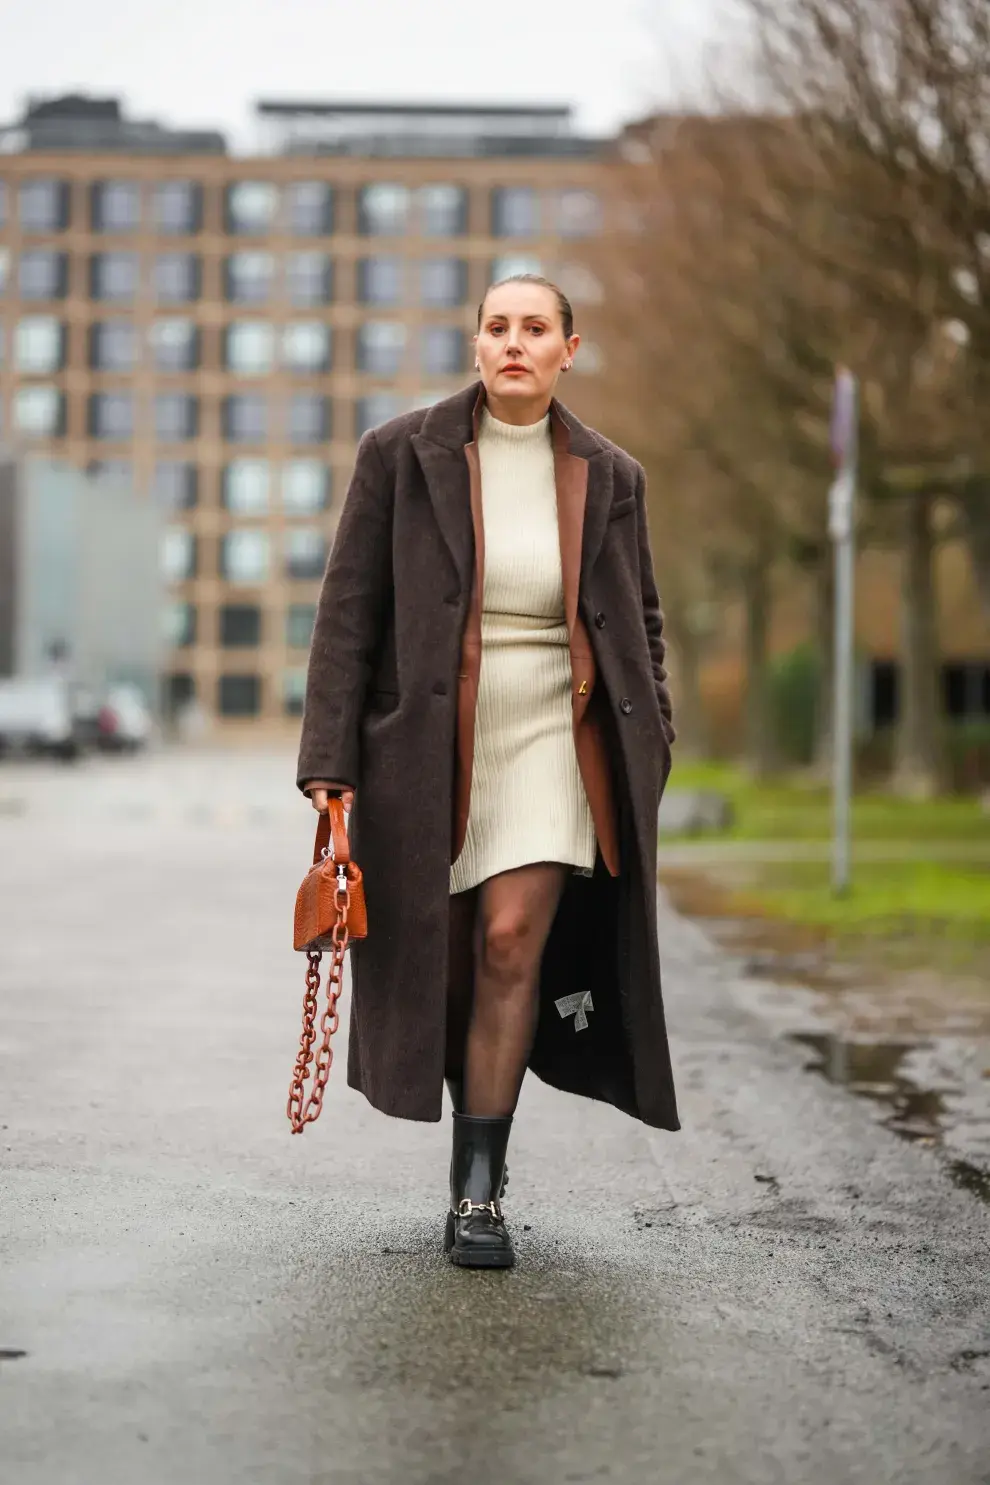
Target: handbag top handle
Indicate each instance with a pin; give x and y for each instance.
(332, 826)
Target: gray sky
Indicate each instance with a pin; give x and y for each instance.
(202, 62)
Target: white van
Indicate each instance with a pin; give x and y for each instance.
(36, 716)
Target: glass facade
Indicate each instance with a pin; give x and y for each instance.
(251, 208)
(310, 208)
(383, 210)
(371, 412)
(381, 346)
(43, 205)
(247, 487)
(299, 621)
(441, 350)
(515, 211)
(244, 556)
(113, 345)
(308, 416)
(176, 417)
(115, 277)
(308, 279)
(176, 278)
(305, 486)
(305, 552)
(39, 412)
(42, 274)
(306, 346)
(240, 625)
(239, 695)
(294, 691)
(39, 345)
(249, 278)
(177, 207)
(245, 418)
(380, 281)
(249, 348)
(115, 206)
(111, 415)
(442, 210)
(442, 282)
(174, 345)
(175, 484)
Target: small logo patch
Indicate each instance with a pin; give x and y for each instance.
(577, 1006)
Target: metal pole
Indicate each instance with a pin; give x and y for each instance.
(841, 529)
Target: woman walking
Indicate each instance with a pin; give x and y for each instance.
(487, 689)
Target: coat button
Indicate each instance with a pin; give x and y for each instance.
(599, 621)
(439, 688)
(625, 706)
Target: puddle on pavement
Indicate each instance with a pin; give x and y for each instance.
(915, 1044)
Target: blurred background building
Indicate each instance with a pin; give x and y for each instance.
(216, 333)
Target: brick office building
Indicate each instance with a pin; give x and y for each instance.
(219, 330)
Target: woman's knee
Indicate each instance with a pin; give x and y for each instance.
(508, 944)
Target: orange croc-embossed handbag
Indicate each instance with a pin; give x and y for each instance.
(330, 911)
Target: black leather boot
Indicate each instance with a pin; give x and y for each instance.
(455, 1088)
(476, 1234)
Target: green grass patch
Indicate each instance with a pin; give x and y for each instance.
(787, 809)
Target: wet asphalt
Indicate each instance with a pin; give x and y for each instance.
(784, 1292)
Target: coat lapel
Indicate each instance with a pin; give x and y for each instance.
(583, 473)
(447, 428)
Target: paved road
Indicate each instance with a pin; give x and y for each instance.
(781, 1293)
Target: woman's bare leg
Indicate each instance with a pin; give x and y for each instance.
(515, 912)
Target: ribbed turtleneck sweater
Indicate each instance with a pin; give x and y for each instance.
(527, 800)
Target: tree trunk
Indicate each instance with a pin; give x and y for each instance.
(760, 751)
(920, 760)
(976, 514)
(685, 674)
(824, 631)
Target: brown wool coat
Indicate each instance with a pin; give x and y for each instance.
(390, 704)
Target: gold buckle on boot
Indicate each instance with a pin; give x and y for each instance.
(466, 1207)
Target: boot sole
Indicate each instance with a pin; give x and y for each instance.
(481, 1260)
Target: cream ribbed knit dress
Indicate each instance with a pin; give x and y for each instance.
(527, 798)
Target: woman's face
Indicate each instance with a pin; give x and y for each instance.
(521, 347)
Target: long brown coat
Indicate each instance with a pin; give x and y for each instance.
(390, 705)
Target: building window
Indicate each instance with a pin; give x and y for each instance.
(244, 556)
(515, 211)
(39, 345)
(966, 691)
(245, 418)
(577, 213)
(512, 264)
(371, 412)
(113, 345)
(248, 278)
(43, 205)
(178, 554)
(177, 207)
(175, 485)
(39, 412)
(111, 415)
(246, 487)
(176, 417)
(240, 625)
(441, 350)
(383, 210)
(180, 625)
(114, 277)
(305, 487)
(43, 274)
(178, 693)
(310, 205)
(176, 278)
(299, 621)
(442, 210)
(249, 348)
(442, 282)
(294, 692)
(174, 345)
(309, 279)
(380, 281)
(116, 206)
(381, 345)
(306, 346)
(251, 208)
(308, 417)
(239, 695)
(305, 552)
